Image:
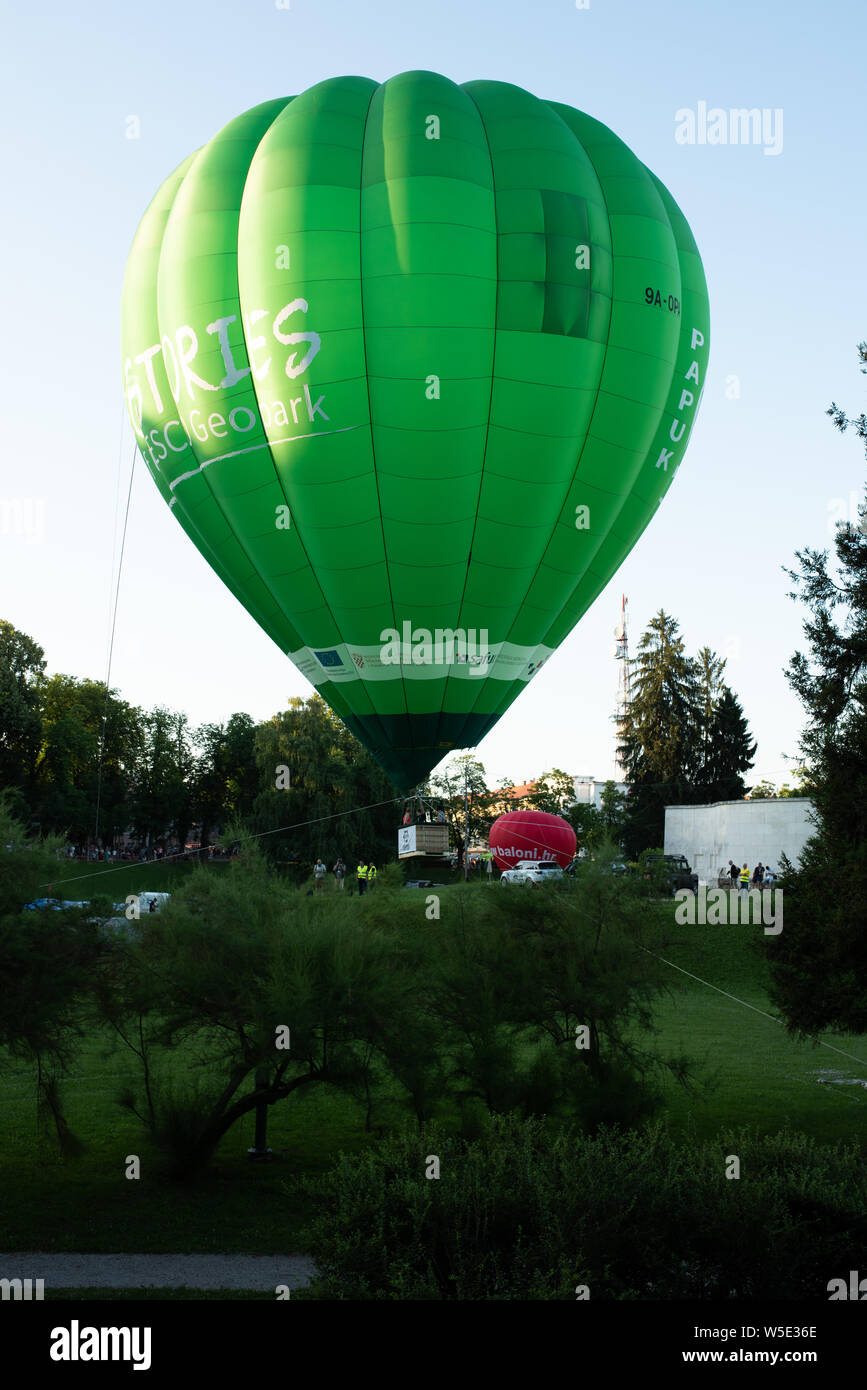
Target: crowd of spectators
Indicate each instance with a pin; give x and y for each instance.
(132, 853)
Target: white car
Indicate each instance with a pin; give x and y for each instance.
(533, 871)
(142, 904)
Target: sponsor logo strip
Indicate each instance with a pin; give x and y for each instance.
(502, 661)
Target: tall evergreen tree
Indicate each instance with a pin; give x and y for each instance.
(661, 747)
(819, 966)
(729, 750)
(708, 669)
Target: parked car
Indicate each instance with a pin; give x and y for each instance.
(581, 862)
(52, 905)
(673, 871)
(534, 872)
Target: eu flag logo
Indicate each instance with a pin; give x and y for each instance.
(332, 658)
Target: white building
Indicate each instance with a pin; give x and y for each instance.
(588, 792)
(746, 831)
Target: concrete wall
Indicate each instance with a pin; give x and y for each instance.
(745, 831)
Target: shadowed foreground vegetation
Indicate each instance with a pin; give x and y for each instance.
(413, 1034)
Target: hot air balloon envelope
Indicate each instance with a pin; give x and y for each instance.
(531, 835)
(413, 364)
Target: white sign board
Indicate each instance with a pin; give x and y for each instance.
(406, 840)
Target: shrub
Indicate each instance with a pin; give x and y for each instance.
(524, 1214)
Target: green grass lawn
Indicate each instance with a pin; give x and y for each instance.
(750, 1073)
(87, 1204)
(79, 881)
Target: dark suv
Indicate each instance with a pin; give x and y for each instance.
(673, 870)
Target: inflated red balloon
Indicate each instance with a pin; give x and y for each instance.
(531, 835)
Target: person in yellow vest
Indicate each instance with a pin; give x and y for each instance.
(361, 878)
(744, 879)
(371, 875)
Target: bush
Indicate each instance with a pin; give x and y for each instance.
(522, 1214)
(179, 1119)
(536, 1002)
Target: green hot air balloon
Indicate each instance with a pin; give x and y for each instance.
(413, 364)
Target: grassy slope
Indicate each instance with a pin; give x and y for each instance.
(79, 881)
(751, 1073)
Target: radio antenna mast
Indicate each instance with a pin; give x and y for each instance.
(621, 654)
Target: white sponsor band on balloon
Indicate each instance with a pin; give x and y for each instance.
(502, 661)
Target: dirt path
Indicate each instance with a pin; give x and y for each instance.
(249, 1272)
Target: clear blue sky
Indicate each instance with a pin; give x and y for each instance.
(781, 236)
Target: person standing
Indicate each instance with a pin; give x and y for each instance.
(319, 872)
(339, 873)
(744, 877)
(371, 875)
(361, 878)
(733, 872)
(489, 868)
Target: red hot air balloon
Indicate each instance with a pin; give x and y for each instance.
(531, 835)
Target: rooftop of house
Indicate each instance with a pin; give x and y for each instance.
(523, 789)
